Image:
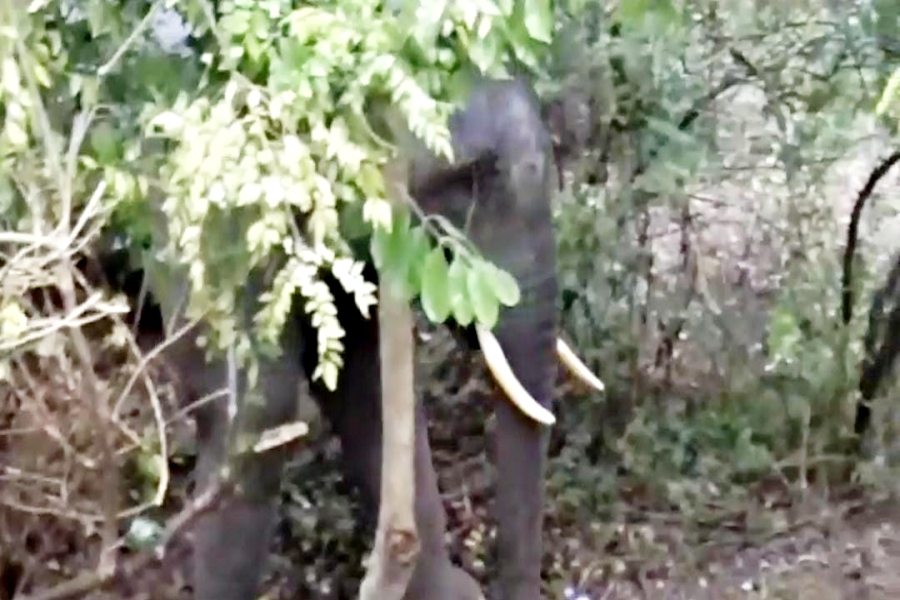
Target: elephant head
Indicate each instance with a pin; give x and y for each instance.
(499, 193)
(502, 183)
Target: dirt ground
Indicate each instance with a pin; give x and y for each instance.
(848, 549)
(834, 557)
(808, 549)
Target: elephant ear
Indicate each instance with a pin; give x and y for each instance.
(438, 189)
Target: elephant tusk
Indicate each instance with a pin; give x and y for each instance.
(507, 380)
(576, 366)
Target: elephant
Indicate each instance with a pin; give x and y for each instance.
(499, 191)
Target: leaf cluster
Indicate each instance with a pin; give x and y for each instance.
(242, 149)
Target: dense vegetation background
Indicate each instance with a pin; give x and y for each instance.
(701, 244)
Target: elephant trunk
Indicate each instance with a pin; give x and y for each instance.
(527, 335)
(499, 194)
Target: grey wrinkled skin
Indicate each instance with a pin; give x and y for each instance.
(502, 200)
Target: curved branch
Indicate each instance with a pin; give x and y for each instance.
(853, 233)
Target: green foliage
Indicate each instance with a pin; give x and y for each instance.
(468, 288)
(242, 156)
(699, 250)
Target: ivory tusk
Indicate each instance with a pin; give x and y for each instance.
(507, 380)
(576, 366)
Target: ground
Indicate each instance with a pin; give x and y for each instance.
(844, 548)
(778, 543)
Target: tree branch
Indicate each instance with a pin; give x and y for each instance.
(853, 233)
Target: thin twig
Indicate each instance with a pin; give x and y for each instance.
(87, 582)
(140, 371)
(126, 45)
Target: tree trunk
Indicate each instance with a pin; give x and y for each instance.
(393, 558)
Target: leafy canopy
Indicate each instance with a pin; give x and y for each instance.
(247, 151)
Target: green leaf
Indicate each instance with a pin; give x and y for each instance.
(16, 134)
(481, 295)
(378, 246)
(370, 181)
(784, 334)
(636, 13)
(486, 53)
(255, 49)
(388, 246)
(502, 283)
(398, 254)
(459, 296)
(419, 245)
(435, 286)
(236, 23)
(539, 20)
(425, 25)
(259, 24)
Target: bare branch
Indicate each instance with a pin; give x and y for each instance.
(87, 582)
(853, 233)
